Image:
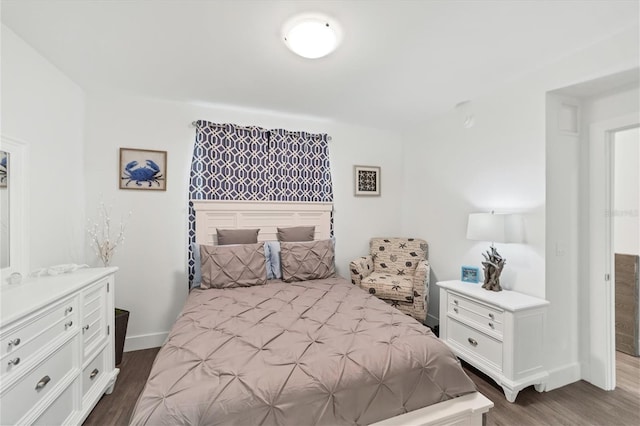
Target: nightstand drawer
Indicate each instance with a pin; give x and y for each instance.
(475, 342)
(486, 317)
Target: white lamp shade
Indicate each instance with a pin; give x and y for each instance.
(497, 228)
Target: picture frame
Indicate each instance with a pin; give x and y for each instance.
(142, 169)
(366, 180)
(470, 274)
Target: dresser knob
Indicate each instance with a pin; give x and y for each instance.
(94, 373)
(43, 382)
(491, 325)
(14, 342)
(473, 342)
(68, 310)
(455, 310)
(491, 316)
(85, 328)
(455, 301)
(14, 361)
(68, 324)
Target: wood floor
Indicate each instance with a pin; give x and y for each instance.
(577, 404)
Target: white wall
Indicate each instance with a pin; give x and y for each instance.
(152, 281)
(626, 197)
(501, 164)
(44, 109)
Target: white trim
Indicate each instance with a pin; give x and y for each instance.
(145, 341)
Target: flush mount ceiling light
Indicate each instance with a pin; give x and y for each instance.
(311, 36)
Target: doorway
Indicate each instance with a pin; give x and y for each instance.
(601, 366)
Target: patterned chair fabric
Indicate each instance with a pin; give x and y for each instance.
(396, 271)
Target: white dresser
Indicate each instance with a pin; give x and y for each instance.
(499, 333)
(56, 347)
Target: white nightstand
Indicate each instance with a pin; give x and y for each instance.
(499, 333)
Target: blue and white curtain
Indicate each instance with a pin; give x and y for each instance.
(233, 162)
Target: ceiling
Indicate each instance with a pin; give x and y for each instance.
(400, 62)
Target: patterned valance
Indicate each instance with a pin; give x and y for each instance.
(232, 162)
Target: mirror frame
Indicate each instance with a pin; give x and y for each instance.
(17, 181)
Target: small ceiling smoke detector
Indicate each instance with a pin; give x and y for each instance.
(311, 36)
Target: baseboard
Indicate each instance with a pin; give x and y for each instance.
(563, 375)
(431, 320)
(144, 341)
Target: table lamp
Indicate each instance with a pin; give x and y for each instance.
(497, 228)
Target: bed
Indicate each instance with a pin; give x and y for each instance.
(319, 351)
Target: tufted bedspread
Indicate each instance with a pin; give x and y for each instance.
(320, 352)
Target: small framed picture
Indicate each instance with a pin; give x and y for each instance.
(143, 169)
(4, 169)
(470, 274)
(367, 180)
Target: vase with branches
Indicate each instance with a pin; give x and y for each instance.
(100, 231)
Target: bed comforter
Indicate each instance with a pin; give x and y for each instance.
(307, 353)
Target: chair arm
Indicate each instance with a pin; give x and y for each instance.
(360, 268)
(421, 289)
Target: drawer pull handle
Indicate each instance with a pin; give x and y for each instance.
(491, 325)
(473, 342)
(14, 361)
(455, 310)
(94, 373)
(68, 324)
(85, 328)
(455, 301)
(43, 382)
(14, 342)
(68, 310)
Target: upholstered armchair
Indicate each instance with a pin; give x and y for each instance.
(396, 271)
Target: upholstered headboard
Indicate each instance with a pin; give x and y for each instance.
(265, 215)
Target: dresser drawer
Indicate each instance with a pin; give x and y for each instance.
(17, 400)
(23, 343)
(484, 317)
(93, 372)
(59, 411)
(94, 316)
(475, 342)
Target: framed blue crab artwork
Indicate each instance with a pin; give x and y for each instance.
(143, 169)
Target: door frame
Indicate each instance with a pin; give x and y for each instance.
(601, 273)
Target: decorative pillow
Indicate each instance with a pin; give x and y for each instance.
(302, 261)
(272, 252)
(296, 233)
(233, 266)
(197, 273)
(237, 236)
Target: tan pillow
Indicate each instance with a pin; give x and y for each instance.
(296, 233)
(237, 236)
(302, 261)
(233, 266)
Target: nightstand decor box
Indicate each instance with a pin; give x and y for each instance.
(499, 333)
(470, 274)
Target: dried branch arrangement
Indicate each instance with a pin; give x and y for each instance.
(103, 243)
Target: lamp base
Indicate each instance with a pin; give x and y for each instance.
(493, 265)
